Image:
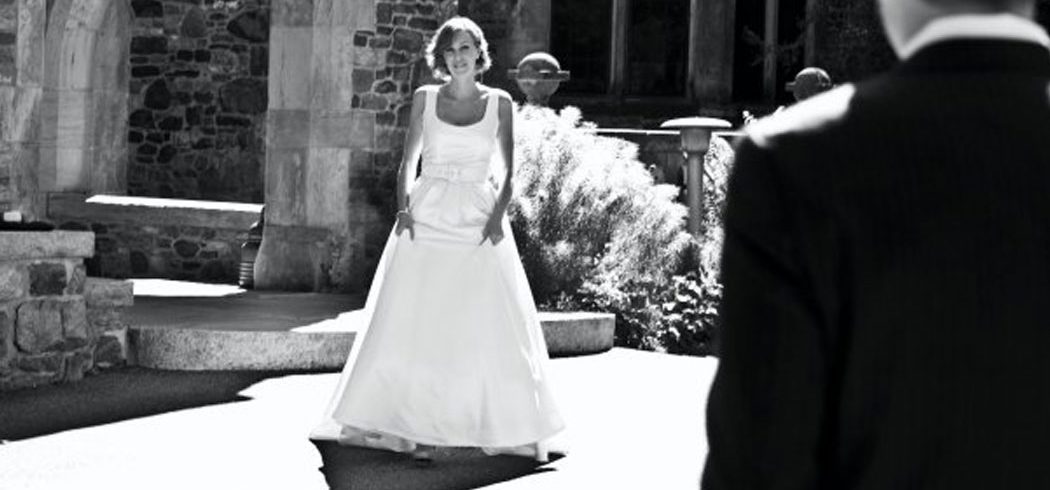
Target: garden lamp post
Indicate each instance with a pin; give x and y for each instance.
(538, 76)
(695, 135)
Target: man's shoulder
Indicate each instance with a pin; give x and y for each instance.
(810, 117)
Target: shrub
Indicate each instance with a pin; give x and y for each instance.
(596, 233)
(586, 209)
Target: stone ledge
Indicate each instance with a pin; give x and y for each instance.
(578, 333)
(203, 349)
(29, 245)
(108, 293)
(213, 350)
(154, 211)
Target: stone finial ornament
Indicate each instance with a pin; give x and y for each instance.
(538, 76)
(809, 82)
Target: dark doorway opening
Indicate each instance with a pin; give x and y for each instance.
(657, 47)
(581, 39)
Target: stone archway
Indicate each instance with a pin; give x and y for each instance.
(83, 128)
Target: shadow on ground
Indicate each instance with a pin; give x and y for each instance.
(116, 395)
(351, 468)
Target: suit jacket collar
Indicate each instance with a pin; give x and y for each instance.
(976, 26)
(974, 55)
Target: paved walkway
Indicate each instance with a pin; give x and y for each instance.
(635, 421)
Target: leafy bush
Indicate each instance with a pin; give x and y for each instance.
(596, 233)
(586, 209)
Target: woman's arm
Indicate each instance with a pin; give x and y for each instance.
(506, 146)
(406, 173)
(505, 134)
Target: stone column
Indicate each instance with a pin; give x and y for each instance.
(711, 37)
(22, 25)
(342, 74)
(293, 246)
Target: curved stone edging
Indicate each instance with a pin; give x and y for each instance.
(578, 332)
(188, 349)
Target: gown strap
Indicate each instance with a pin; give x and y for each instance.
(430, 103)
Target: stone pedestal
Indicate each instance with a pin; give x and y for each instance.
(45, 336)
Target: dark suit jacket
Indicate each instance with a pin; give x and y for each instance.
(886, 311)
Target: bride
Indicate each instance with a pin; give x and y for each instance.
(453, 354)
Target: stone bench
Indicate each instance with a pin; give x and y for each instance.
(186, 326)
(206, 349)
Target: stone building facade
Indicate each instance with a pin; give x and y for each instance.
(638, 62)
(298, 104)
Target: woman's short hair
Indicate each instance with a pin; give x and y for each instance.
(443, 39)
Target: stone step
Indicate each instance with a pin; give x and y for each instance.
(197, 327)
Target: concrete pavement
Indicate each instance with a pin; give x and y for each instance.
(635, 421)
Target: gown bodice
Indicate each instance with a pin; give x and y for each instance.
(454, 152)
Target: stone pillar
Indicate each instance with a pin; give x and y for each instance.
(280, 265)
(84, 113)
(711, 38)
(342, 74)
(22, 26)
(44, 333)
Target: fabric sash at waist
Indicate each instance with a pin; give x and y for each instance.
(457, 173)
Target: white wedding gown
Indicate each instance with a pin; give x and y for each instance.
(454, 354)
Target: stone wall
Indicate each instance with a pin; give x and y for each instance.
(8, 52)
(45, 332)
(159, 238)
(198, 99)
(107, 301)
(383, 81)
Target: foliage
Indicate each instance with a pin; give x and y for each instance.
(596, 233)
(586, 209)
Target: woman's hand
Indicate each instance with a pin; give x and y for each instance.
(493, 230)
(405, 222)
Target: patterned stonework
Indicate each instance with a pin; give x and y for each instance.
(198, 99)
(56, 324)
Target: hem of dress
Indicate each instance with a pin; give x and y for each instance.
(429, 441)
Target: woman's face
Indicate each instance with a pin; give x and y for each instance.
(461, 55)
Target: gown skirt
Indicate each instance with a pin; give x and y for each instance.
(453, 354)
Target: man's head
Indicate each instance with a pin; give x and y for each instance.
(904, 18)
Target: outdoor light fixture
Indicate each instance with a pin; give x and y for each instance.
(695, 135)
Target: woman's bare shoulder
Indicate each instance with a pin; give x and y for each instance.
(425, 89)
(500, 94)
